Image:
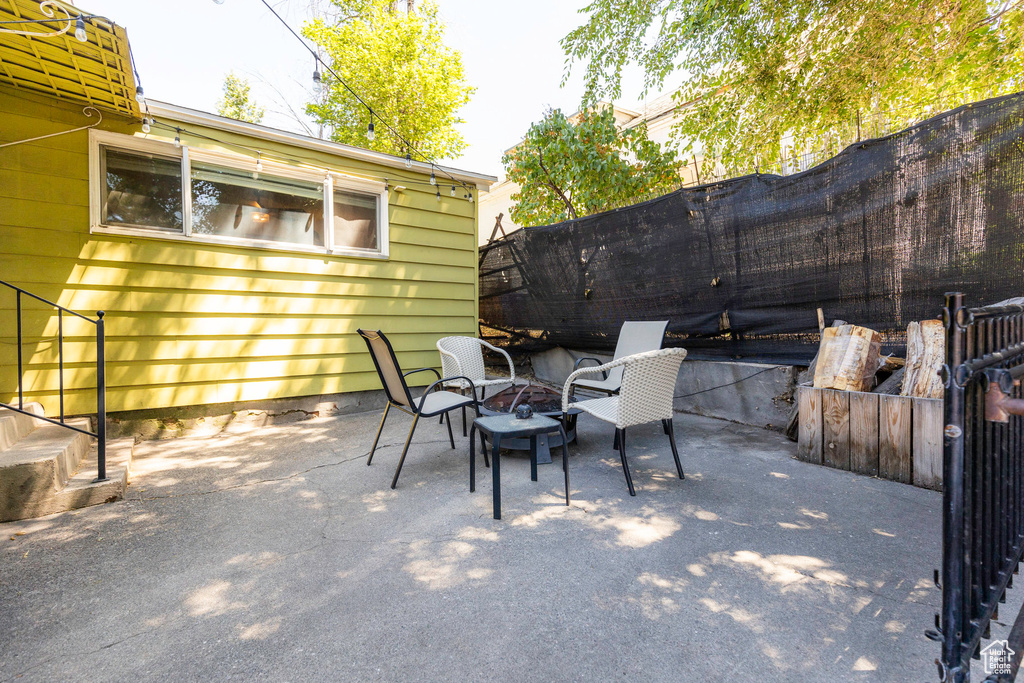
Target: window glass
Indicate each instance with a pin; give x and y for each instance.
(355, 220)
(234, 203)
(142, 190)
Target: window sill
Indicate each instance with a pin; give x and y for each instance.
(233, 242)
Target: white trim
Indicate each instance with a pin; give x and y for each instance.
(128, 143)
(185, 115)
(153, 233)
(332, 181)
(186, 191)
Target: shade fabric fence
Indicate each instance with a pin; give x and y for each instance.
(873, 236)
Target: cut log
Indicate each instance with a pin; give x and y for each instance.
(806, 378)
(892, 363)
(892, 385)
(847, 359)
(926, 352)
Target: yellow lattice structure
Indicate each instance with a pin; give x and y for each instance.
(98, 72)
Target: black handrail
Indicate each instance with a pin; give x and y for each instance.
(101, 381)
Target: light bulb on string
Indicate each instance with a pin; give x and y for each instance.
(145, 124)
(470, 196)
(177, 137)
(433, 180)
(408, 160)
(80, 29)
(259, 167)
(439, 195)
(370, 135)
(453, 190)
(317, 78)
(140, 94)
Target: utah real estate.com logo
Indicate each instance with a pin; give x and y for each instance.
(996, 658)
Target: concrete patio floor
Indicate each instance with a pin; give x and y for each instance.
(277, 554)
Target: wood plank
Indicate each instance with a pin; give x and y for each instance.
(927, 436)
(864, 433)
(894, 438)
(809, 446)
(835, 419)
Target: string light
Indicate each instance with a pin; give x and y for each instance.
(317, 79)
(177, 137)
(346, 86)
(47, 7)
(145, 125)
(439, 195)
(370, 135)
(433, 180)
(470, 195)
(292, 158)
(140, 95)
(259, 167)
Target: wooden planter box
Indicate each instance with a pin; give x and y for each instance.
(892, 437)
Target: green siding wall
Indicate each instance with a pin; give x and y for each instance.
(190, 323)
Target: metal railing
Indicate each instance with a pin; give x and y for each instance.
(983, 484)
(101, 383)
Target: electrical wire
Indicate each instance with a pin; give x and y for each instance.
(722, 386)
(274, 155)
(408, 145)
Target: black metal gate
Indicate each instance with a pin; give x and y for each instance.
(983, 476)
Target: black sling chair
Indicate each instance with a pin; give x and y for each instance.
(433, 402)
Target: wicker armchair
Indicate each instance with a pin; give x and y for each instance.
(464, 356)
(648, 385)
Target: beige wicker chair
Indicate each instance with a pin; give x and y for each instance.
(464, 356)
(648, 385)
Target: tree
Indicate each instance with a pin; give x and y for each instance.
(397, 63)
(816, 72)
(569, 169)
(236, 103)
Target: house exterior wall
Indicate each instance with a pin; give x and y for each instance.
(194, 324)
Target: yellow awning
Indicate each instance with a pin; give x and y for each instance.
(98, 72)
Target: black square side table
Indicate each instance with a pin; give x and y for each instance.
(500, 427)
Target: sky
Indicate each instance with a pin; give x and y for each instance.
(183, 50)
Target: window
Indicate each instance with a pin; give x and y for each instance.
(231, 203)
(144, 187)
(142, 190)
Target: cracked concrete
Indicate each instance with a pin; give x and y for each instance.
(278, 554)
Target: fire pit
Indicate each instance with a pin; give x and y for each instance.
(544, 401)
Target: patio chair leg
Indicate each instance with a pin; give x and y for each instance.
(621, 438)
(672, 440)
(483, 449)
(615, 444)
(463, 420)
(379, 430)
(448, 419)
(408, 440)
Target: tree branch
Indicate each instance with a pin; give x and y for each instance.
(551, 184)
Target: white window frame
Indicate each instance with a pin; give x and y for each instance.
(330, 180)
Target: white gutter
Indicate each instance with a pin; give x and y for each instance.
(181, 114)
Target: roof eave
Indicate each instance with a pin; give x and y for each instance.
(181, 114)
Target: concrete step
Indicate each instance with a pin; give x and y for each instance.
(83, 490)
(37, 467)
(14, 426)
